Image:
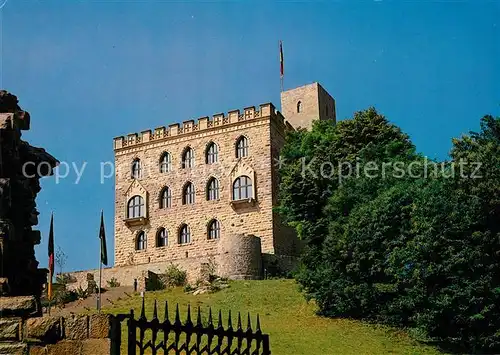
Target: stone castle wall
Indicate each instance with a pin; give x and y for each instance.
(82, 335)
(261, 129)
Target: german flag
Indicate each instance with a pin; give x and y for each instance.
(51, 257)
(282, 64)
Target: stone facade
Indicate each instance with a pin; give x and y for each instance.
(79, 335)
(302, 105)
(150, 227)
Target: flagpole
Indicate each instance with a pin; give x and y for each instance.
(280, 44)
(100, 276)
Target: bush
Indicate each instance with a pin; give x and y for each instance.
(113, 282)
(418, 251)
(174, 276)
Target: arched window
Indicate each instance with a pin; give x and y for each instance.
(299, 107)
(212, 189)
(212, 153)
(166, 198)
(184, 234)
(165, 163)
(187, 158)
(136, 169)
(242, 188)
(214, 229)
(140, 242)
(162, 238)
(188, 194)
(135, 207)
(242, 147)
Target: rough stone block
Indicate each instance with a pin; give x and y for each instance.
(37, 350)
(13, 349)
(19, 306)
(46, 329)
(76, 327)
(96, 346)
(99, 326)
(66, 347)
(10, 329)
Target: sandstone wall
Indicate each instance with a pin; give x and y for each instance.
(253, 218)
(78, 335)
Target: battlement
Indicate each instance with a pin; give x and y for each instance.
(204, 123)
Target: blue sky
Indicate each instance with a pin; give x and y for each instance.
(90, 71)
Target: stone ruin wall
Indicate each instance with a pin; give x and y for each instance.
(238, 257)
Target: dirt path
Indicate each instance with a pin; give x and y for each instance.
(90, 303)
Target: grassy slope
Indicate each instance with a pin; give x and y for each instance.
(286, 317)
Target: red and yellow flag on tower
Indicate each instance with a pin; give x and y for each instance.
(51, 257)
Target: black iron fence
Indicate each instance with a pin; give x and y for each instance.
(165, 337)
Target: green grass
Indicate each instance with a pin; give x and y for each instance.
(289, 320)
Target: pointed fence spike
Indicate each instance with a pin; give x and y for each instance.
(166, 312)
(239, 321)
(258, 322)
(143, 310)
(249, 323)
(220, 319)
(155, 311)
(210, 316)
(189, 314)
(229, 321)
(198, 320)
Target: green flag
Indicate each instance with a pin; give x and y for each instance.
(102, 237)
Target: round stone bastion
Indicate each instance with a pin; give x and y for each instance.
(240, 257)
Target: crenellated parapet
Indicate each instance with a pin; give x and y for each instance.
(204, 123)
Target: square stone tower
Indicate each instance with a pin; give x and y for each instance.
(307, 103)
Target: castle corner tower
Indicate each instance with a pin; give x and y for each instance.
(305, 104)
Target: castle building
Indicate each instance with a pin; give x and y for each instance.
(181, 190)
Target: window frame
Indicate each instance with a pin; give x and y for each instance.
(188, 162)
(165, 163)
(239, 187)
(163, 238)
(184, 236)
(141, 241)
(188, 197)
(242, 147)
(213, 192)
(213, 229)
(165, 201)
(212, 153)
(136, 169)
(133, 205)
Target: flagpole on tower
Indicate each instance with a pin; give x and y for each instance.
(282, 71)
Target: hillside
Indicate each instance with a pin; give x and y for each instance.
(287, 318)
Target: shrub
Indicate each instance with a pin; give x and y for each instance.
(174, 276)
(113, 282)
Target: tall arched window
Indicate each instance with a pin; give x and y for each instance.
(184, 234)
(212, 189)
(214, 229)
(135, 207)
(165, 163)
(166, 198)
(242, 188)
(162, 238)
(242, 147)
(187, 158)
(188, 194)
(299, 107)
(140, 243)
(136, 169)
(212, 153)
